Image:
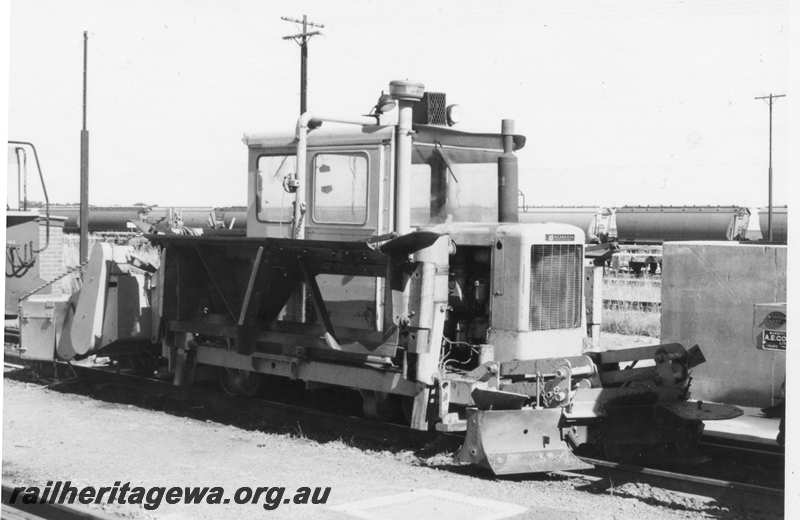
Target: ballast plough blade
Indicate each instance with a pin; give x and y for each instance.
(517, 441)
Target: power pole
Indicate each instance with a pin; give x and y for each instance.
(770, 99)
(83, 244)
(301, 39)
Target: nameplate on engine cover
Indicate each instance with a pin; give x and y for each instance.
(559, 237)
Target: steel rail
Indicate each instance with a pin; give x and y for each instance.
(682, 482)
(713, 441)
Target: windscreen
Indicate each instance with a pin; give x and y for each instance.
(454, 192)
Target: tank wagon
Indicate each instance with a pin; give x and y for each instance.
(384, 254)
(780, 229)
(117, 219)
(122, 219)
(640, 230)
(657, 224)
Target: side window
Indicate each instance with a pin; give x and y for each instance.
(340, 188)
(420, 194)
(275, 204)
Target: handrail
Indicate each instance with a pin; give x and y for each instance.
(44, 191)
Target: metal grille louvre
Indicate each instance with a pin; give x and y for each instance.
(556, 284)
(432, 109)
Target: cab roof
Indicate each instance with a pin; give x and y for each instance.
(429, 140)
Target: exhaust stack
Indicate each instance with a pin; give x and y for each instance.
(407, 93)
(507, 177)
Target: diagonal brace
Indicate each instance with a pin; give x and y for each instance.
(214, 282)
(319, 305)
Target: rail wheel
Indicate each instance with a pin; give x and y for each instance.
(238, 382)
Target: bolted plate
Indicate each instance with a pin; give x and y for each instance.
(702, 411)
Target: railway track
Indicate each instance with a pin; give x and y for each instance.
(717, 488)
(720, 443)
(288, 413)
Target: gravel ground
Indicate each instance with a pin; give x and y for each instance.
(50, 436)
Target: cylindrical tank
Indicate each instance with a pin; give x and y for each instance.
(780, 228)
(654, 224)
(101, 219)
(236, 215)
(195, 216)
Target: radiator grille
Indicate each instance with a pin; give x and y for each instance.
(556, 283)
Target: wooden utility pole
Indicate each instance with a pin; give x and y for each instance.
(770, 99)
(83, 245)
(301, 39)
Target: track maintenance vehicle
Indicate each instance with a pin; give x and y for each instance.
(383, 253)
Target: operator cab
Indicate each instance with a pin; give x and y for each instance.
(350, 193)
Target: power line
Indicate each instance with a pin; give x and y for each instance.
(771, 97)
(301, 39)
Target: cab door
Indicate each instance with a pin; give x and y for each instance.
(344, 193)
(345, 201)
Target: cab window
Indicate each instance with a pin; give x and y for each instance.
(275, 203)
(421, 194)
(340, 188)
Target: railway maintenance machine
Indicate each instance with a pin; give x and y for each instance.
(384, 254)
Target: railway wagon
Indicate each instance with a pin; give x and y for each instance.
(780, 223)
(101, 219)
(656, 224)
(120, 219)
(199, 217)
(234, 217)
(384, 254)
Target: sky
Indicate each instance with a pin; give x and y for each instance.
(624, 102)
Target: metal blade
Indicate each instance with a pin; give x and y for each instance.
(701, 411)
(517, 441)
(498, 400)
